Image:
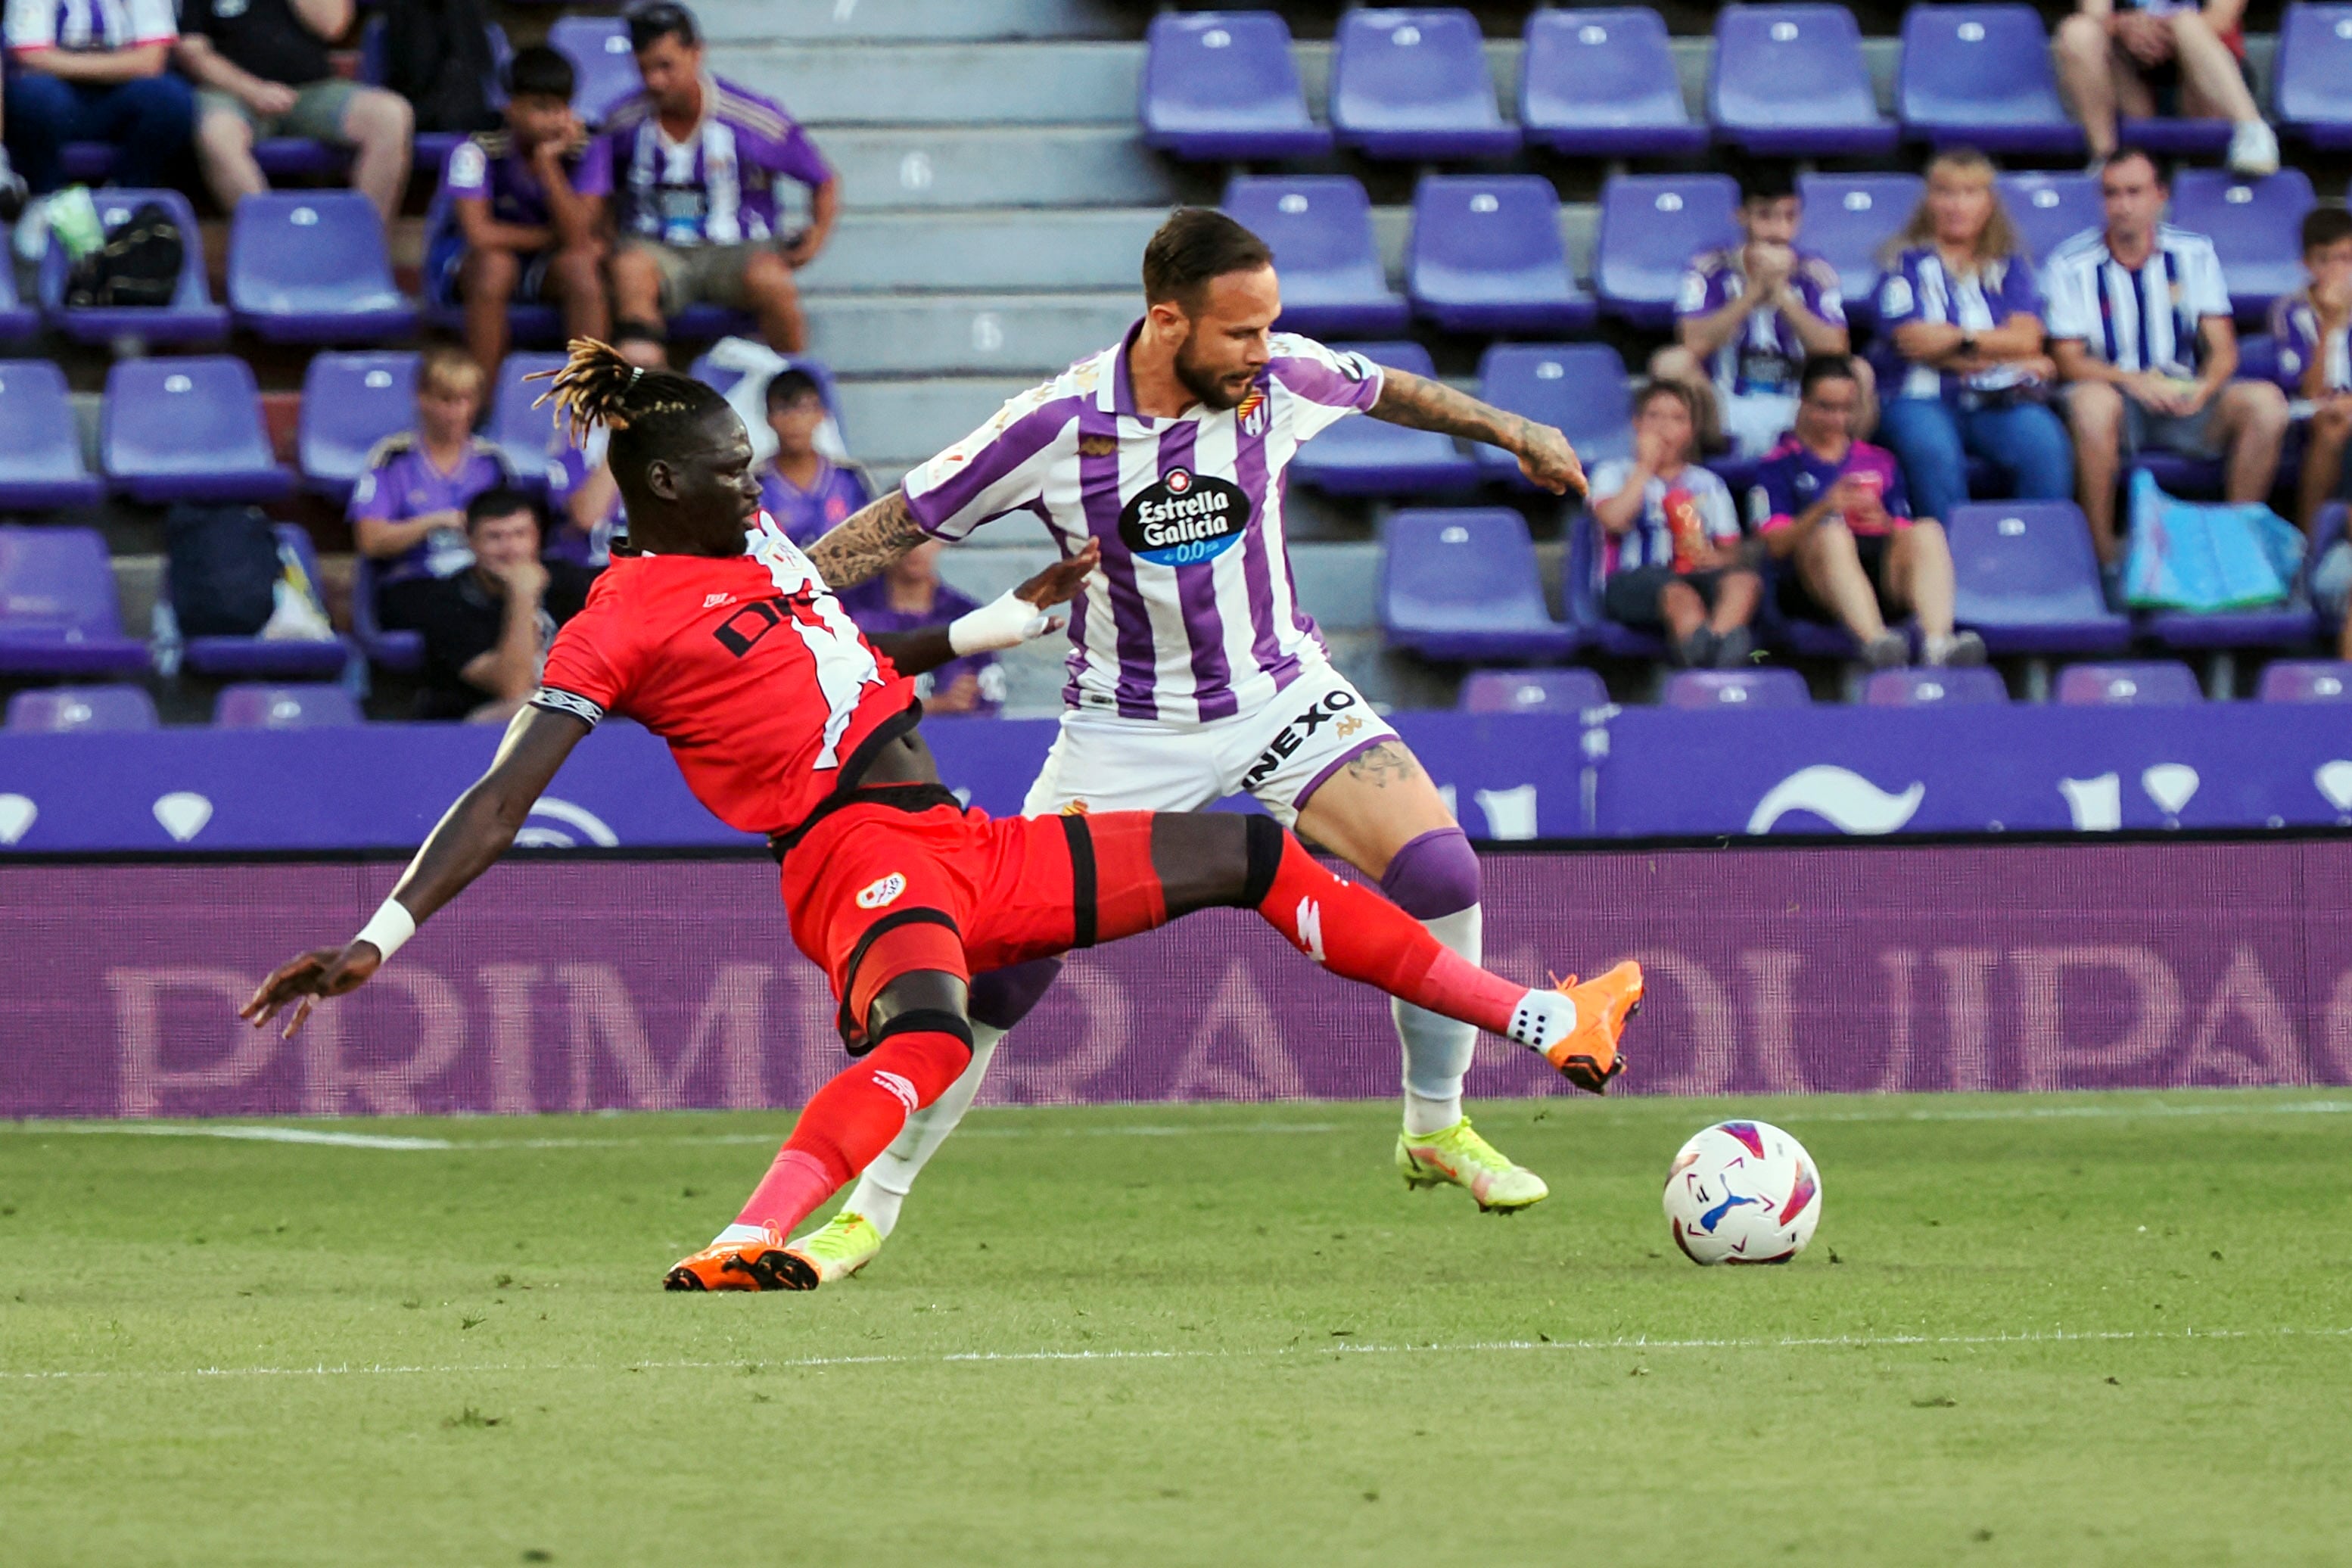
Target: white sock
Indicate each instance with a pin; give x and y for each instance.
(885, 1183)
(740, 1232)
(1543, 1019)
(1437, 1049)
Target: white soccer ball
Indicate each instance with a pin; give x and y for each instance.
(1743, 1191)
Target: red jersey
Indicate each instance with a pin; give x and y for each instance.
(748, 666)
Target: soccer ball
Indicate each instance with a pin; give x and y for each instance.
(1743, 1191)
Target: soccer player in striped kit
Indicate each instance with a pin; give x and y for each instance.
(1193, 673)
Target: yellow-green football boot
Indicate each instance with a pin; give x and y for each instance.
(1459, 1155)
(841, 1246)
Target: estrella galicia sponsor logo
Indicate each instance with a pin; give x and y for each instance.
(1184, 519)
(1324, 710)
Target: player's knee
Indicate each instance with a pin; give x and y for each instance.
(1003, 997)
(1433, 876)
(925, 1001)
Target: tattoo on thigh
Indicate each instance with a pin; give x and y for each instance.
(1384, 763)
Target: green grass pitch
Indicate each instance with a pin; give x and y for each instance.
(2075, 1329)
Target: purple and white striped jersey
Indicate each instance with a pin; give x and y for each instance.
(1193, 615)
(716, 187)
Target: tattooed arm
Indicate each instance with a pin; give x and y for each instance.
(1544, 454)
(868, 541)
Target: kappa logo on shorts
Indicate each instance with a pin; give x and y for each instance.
(1324, 710)
(882, 894)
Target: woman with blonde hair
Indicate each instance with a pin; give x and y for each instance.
(1961, 369)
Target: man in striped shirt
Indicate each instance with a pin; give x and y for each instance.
(693, 162)
(2139, 324)
(1195, 674)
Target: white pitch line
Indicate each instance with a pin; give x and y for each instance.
(1482, 1347)
(250, 1135)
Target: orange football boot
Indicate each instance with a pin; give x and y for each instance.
(761, 1265)
(1588, 1056)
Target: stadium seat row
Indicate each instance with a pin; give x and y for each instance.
(1486, 254)
(88, 710)
(1464, 584)
(2160, 683)
(1786, 80)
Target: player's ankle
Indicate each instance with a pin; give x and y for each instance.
(1425, 1115)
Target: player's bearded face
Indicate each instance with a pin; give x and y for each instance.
(1218, 381)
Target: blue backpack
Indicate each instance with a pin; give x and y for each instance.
(2184, 556)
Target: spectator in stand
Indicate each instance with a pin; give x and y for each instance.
(587, 500)
(521, 211)
(1832, 511)
(803, 489)
(262, 69)
(695, 162)
(1750, 316)
(408, 513)
(908, 595)
(2313, 328)
(2138, 376)
(94, 71)
(1670, 539)
(2150, 58)
(1961, 368)
(487, 628)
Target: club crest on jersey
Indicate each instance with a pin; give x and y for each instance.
(1184, 519)
(882, 894)
(1251, 412)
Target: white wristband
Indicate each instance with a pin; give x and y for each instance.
(1006, 621)
(389, 928)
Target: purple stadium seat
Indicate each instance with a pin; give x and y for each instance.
(2311, 92)
(279, 661)
(1320, 226)
(1464, 584)
(40, 445)
(310, 266)
(1579, 387)
(1579, 593)
(187, 429)
(2258, 360)
(1222, 84)
(1371, 457)
(525, 436)
(1571, 691)
(58, 611)
(2027, 579)
(350, 401)
(2176, 137)
(1414, 84)
(81, 709)
(1849, 218)
(1933, 687)
(1979, 76)
(260, 707)
(1721, 689)
(18, 321)
(1651, 226)
(2156, 683)
(190, 318)
(2050, 209)
(1790, 81)
(1601, 84)
(2292, 625)
(399, 651)
(604, 70)
(2307, 680)
(2256, 226)
(1486, 257)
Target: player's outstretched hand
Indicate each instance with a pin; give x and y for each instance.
(1060, 583)
(321, 971)
(1546, 458)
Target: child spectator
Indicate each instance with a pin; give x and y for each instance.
(487, 628)
(1670, 539)
(521, 213)
(908, 596)
(1748, 316)
(1833, 511)
(803, 489)
(2313, 327)
(693, 162)
(261, 69)
(95, 71)
(408, 513)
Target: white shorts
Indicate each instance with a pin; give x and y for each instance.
(1755, 421)
(1279, 754)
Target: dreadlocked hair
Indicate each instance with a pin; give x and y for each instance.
(596, 386)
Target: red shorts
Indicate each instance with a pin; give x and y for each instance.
(875, 890)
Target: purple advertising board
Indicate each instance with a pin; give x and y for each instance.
(562, 983)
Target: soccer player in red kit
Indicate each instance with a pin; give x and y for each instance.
(717, 636)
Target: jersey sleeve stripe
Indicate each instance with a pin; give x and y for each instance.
(555, 700)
